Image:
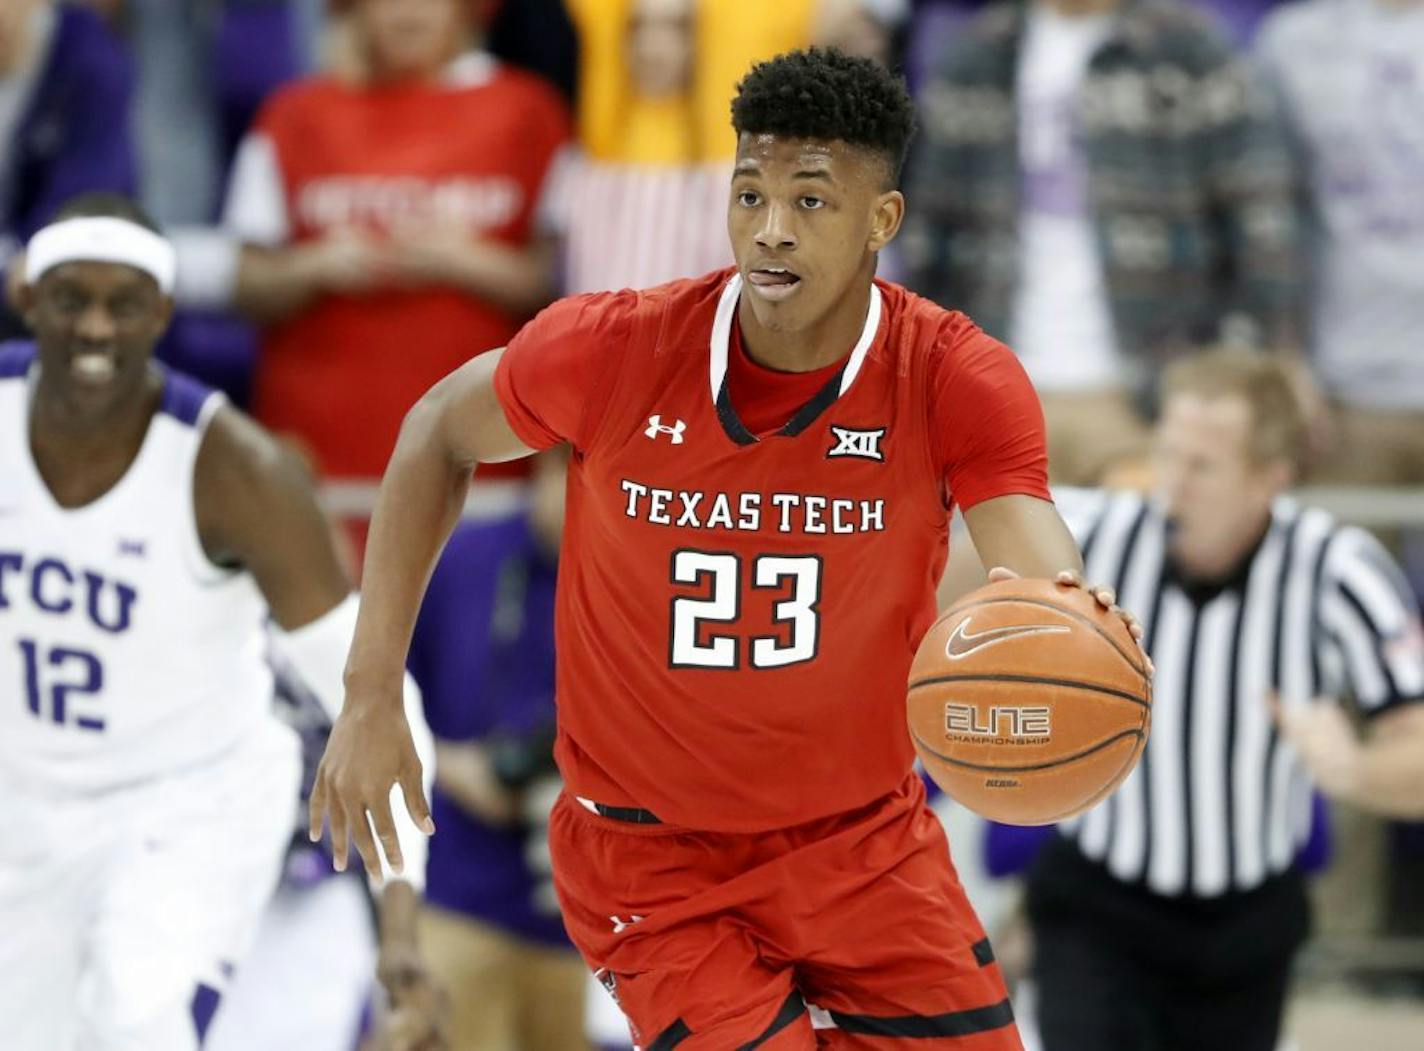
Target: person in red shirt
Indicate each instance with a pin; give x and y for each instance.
(391, 218)
(763, 465)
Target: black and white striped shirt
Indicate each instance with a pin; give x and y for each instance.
(1219, 801)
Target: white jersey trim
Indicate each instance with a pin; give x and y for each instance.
(726, 316)
(204, 570)
(256, 211)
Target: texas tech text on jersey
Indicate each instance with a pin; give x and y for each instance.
(807, 513)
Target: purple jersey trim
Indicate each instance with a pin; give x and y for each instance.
(204, 1007)
(183, 397)
(16, 356)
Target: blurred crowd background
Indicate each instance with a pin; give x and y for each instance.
(364, 193)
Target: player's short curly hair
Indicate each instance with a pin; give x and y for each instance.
(822, 93)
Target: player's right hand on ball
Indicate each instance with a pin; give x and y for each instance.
(369, 751)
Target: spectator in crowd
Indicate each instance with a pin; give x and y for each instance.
(1350, 77)
(381, 250)
(646, 203)
(1098, 185)
(205, 66)
(934, 21)
(65, 88)
(205, 69)
(642, 207)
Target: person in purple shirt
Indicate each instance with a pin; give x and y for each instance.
(65, 86)
(483, 654)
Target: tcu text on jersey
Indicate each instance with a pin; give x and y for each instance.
(52, 586)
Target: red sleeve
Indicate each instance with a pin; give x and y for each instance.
(555, 375)
(986, 422)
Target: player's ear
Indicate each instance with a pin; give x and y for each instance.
(885, 220)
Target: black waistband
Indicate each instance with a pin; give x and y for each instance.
(630, 814)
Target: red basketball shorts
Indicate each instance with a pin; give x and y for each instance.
(848, 932)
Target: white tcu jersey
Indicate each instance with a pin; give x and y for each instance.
(124, 653)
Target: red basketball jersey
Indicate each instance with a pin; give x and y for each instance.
(737, 614)
(470, 153)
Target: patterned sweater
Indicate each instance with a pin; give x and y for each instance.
(1189, 184)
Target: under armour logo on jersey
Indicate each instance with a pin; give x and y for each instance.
(133, 548)
(863, 444)
(655, 428)
(620, 924)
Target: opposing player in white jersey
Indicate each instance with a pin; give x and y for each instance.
(147, 531)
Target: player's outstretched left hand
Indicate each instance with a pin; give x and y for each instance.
(1105, 596)
(370, 750)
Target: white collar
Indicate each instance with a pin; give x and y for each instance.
(726, 317)
(473, 69)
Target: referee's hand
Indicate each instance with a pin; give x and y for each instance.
(1324, 739)
(1106, 597)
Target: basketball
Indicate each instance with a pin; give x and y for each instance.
(1029, 702)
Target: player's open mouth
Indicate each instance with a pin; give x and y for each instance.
(93, 367)
(773, 282)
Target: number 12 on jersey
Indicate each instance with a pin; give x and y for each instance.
(55, 676)
(694, 646)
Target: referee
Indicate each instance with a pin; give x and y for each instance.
(1166, 918)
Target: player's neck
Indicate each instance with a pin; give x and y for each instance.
(1222, 561)
(69, 447)
(806, 349)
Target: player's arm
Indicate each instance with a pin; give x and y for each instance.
(993, 446)
(256, 508)
(456, 425)
(1382, 773)
(1390, 779)
(1024, 534)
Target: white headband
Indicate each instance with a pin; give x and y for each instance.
(100, 239)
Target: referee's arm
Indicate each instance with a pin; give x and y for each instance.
(1370, 618)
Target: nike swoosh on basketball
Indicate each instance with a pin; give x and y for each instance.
(961, 644)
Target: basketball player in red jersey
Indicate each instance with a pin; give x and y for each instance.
(763, 465)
